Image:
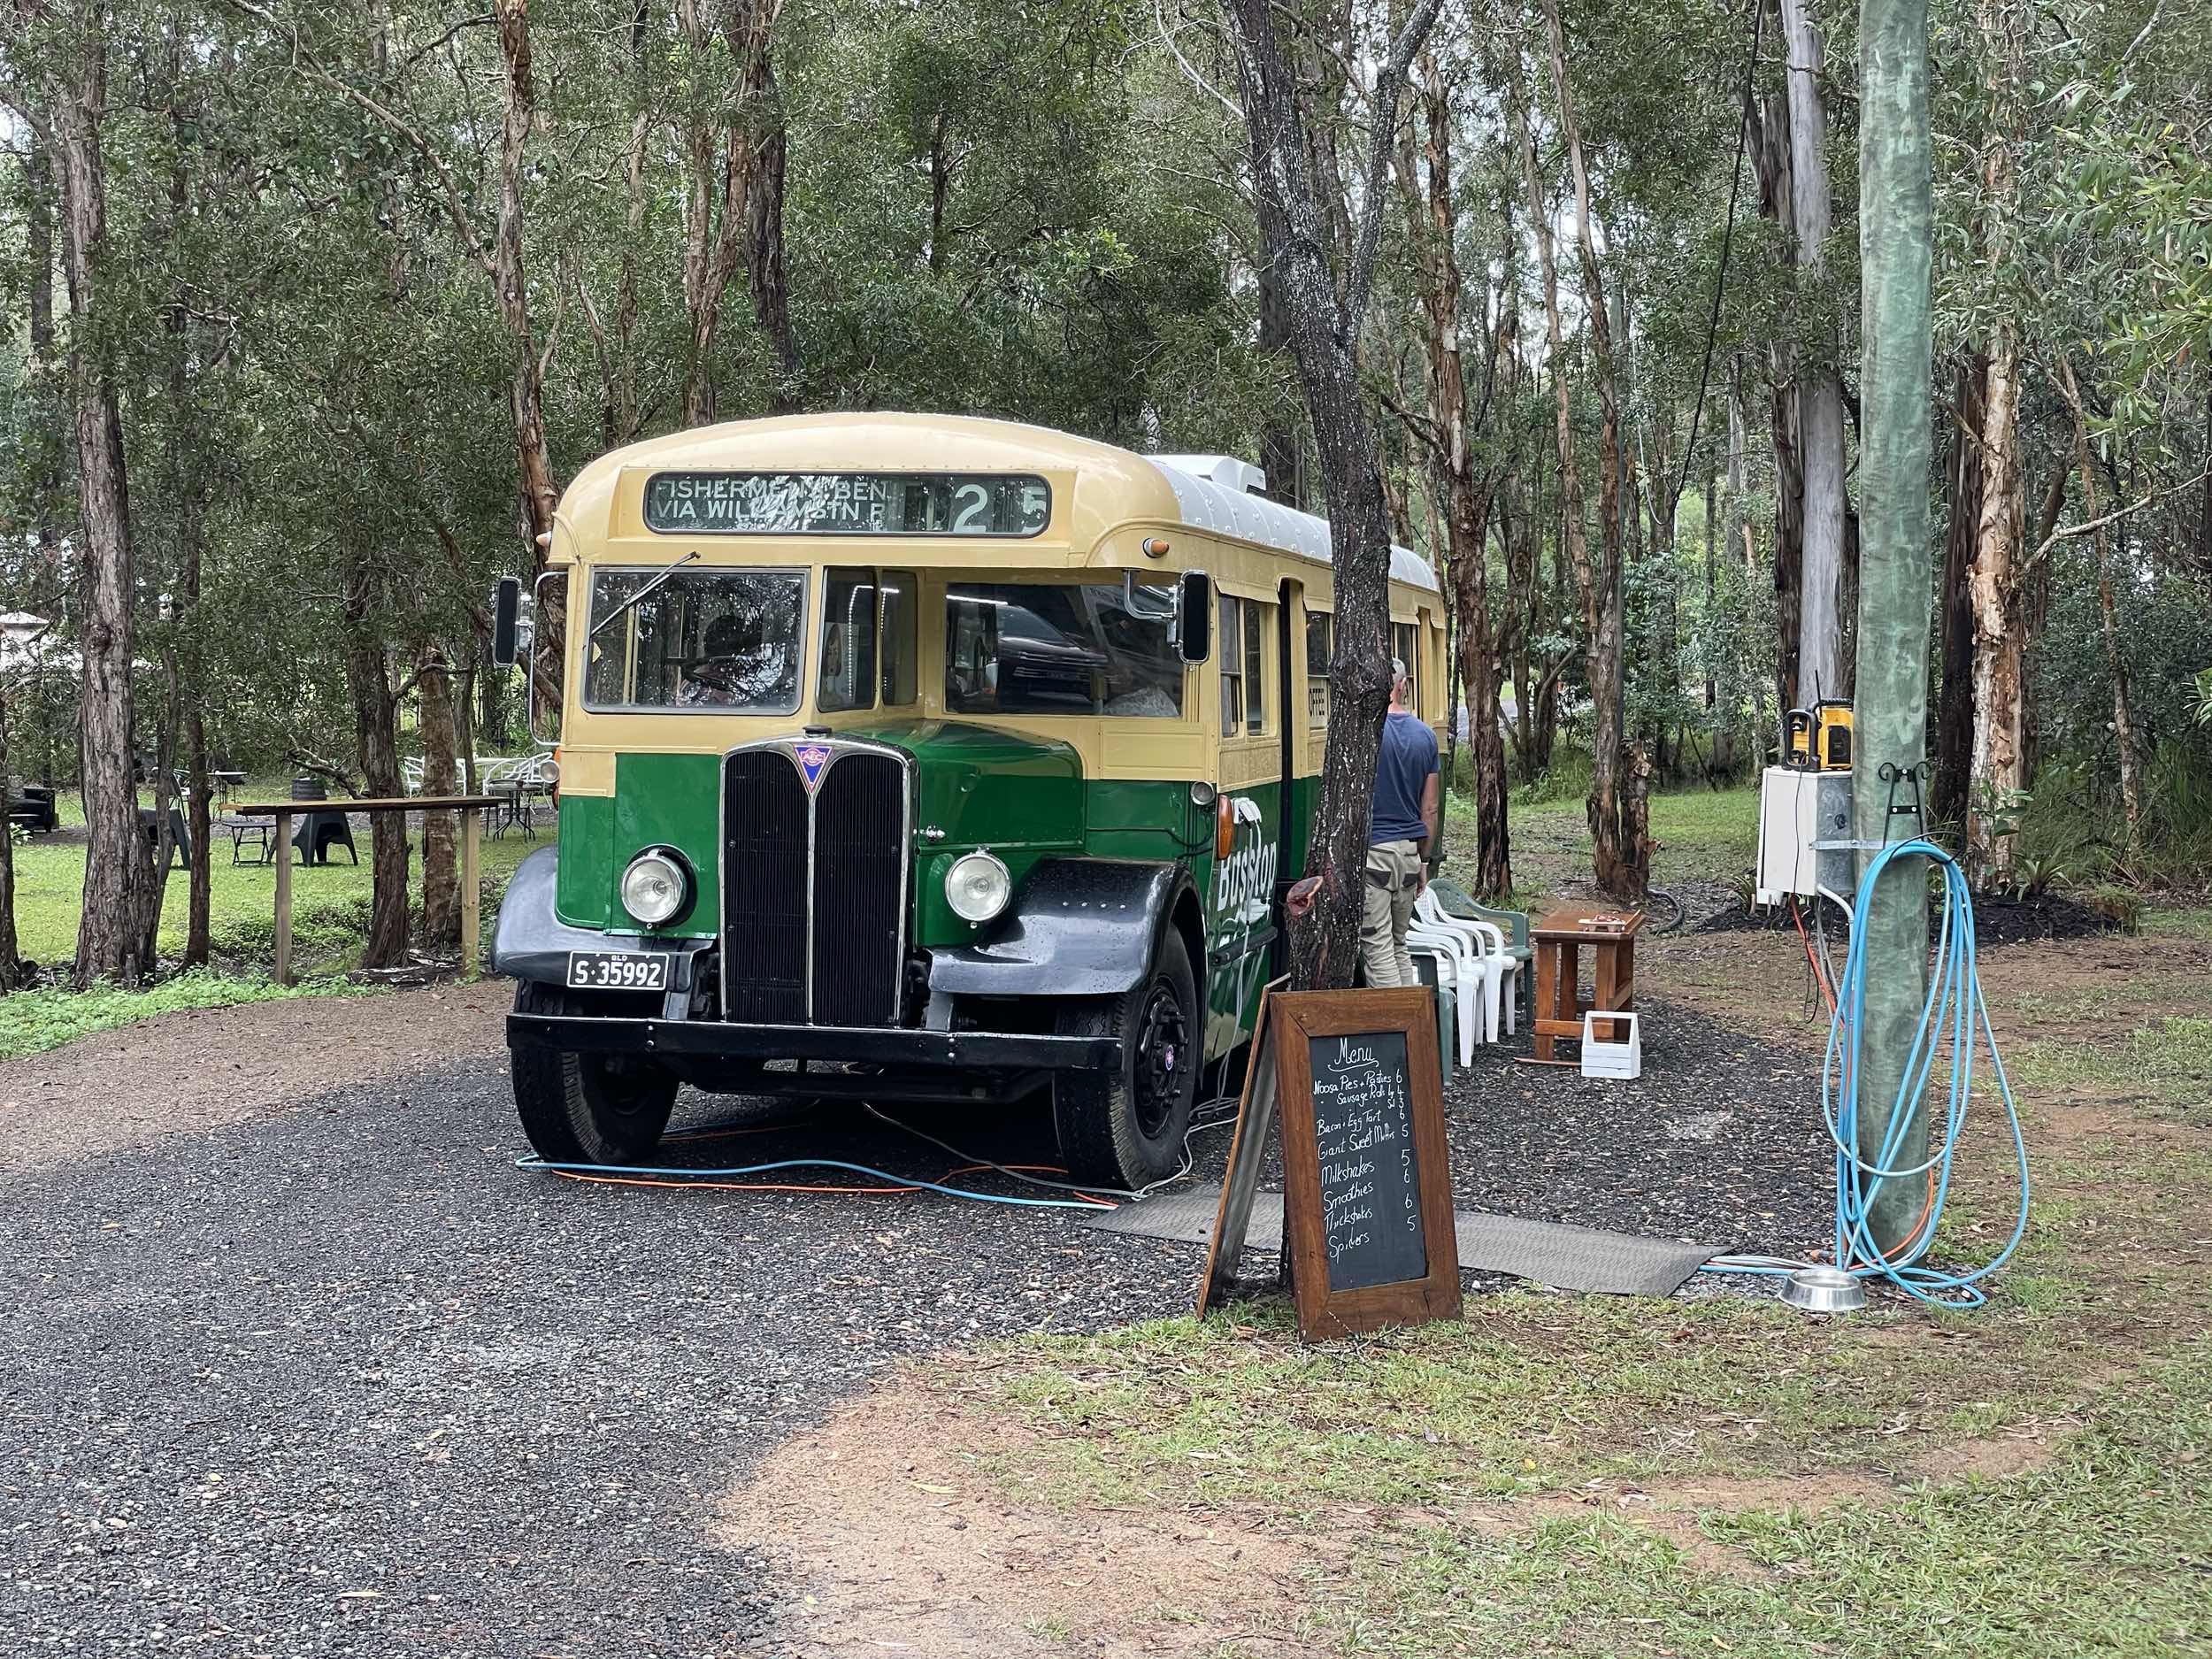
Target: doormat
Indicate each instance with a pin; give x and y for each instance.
(1549, 1252)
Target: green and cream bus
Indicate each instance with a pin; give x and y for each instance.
(921, 759)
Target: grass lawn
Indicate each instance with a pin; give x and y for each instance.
(241, 898)
(330, 907)
(1587, 1476)
(1704, 836)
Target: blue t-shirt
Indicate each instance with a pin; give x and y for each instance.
(1407, 762)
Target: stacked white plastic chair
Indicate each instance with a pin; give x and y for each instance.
(1495, 968)
(1460, 975)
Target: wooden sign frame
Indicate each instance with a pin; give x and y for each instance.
(1248, 1154)
(1300, 1017)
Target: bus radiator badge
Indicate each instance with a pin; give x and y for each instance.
(814, 759)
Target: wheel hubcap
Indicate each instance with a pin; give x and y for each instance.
(1162, 1058)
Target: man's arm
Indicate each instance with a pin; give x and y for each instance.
(1429, 810)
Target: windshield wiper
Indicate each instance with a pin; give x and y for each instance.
(624, 608)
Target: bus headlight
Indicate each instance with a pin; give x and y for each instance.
(977, 886)
(655, 887)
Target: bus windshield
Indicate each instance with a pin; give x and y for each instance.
(1060, 648)
(723, 640)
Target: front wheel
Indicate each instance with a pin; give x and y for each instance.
(1124, 1128)
(586, 1108)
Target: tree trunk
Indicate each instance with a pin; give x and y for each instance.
(761, 163)
(1741, 544)
(1618, 854)
(1962, 493)
(1999, 650)
(119, 882)
(1279, 435)
(1324, 336)
(2108, 613)
(1466, 496)
(188, 470)
(714, 203)
(375, 725)
(441, 879)
(2035, 607)
(2000, 774)
(1824, 666)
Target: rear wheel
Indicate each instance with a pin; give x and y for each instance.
(586, 1108)
(1124, 1127)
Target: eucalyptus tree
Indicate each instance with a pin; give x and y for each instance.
(57, 71)
(1327, 308)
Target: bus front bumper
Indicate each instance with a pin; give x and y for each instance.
(708, 1039)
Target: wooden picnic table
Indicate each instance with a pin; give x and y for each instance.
(1559, 938)
(284, 812)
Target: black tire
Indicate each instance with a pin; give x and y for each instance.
(586, 1108)
(1124, 1128)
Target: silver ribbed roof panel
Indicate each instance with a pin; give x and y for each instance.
(1209, 504)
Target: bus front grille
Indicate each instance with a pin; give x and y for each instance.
(814, 883)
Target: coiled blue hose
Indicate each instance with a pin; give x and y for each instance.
(1955, 1009)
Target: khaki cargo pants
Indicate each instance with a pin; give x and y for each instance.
(1393, 879)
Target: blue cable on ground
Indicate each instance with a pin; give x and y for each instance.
(617, 1171)
(1955, 1009)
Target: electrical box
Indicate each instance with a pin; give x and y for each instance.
(1796, 808)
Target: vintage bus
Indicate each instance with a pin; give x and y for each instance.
(921, 759)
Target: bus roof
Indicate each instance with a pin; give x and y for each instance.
(1212, 492)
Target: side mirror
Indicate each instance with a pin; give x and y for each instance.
(506, 620)
(1195, 615)
(549, 602)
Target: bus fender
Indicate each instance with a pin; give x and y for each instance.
(1078, 927)
(529, 941)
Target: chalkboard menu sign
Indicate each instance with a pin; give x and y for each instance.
(1371, 1182)
(1367, 1199)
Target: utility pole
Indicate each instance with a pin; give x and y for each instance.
(1895, 572)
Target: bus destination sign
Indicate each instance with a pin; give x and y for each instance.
(847, 503)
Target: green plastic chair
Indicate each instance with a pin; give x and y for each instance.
(1458, 903)
(1447, 1013)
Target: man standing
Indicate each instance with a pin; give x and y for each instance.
(1399, 834)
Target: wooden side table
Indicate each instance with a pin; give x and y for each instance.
(1609, 932)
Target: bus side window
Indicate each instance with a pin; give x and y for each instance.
(1259, 627)
(1319, 650)
(1229, 648)
(1405, 640)
(902, 612)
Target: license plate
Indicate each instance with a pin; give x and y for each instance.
(618, 971)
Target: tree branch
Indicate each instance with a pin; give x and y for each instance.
(1389, 84)
(305, 64)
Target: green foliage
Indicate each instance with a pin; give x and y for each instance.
(49, 1016)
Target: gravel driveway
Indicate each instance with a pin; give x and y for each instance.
(344, 1382)
(341, 1381)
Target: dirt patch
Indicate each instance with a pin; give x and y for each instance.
(2082, 1117)
(902, 1541)
(903, 1545)
(1999, 1459)
(200, 1068)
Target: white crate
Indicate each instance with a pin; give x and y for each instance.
(1620, 1059)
